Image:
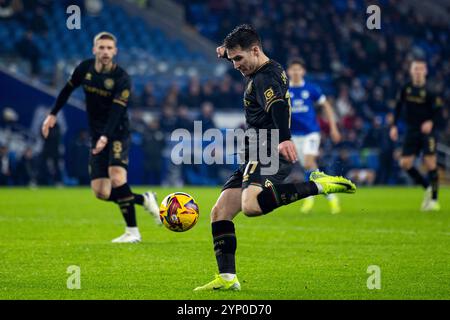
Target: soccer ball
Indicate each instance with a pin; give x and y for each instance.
(179, 212)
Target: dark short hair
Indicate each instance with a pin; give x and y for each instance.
(297, 60)
(244, 36)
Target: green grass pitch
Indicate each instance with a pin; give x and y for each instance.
(284, 255)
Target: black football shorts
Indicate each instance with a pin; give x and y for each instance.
(250, 173)
(114, 154)
(416, 142)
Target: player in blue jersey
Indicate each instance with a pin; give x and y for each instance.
(305, 127)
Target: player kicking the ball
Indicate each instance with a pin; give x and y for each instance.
(107, 89)
(305, 128)
(267, 106)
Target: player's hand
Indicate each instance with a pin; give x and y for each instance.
(426, 127)
(100, 145)
(49, 123)
(220, 51)
(393, 133)
(335, 135)
(287, 149)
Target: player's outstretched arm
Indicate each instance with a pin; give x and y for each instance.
(222, 53)
(61, 100)
(75, 80)
(48, 123)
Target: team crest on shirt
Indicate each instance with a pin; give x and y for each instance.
(248, 90)
(109, 83)
(305, 94)
(88, 76)
(125, 94)
(408, 90)
(422, 93)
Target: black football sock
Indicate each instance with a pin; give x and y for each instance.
(125, 200)
(113, 195)
(434, 181)
(225, 243)
(417, 177)
(138, 198)
(274, 196)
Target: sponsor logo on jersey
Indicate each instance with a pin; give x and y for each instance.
(125, 94)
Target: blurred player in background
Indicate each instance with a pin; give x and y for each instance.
(305, 127)
(267, 107)
(422, 110)
(107, 89)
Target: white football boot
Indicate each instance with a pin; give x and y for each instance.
(151, 206)
(131, 235)
(432, 205)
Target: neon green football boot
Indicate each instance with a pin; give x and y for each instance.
(332, 184)
(220, 283)
(307, 206)
(333, 202)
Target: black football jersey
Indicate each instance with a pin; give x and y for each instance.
(417, 104)
(265, 86)
(101, 90)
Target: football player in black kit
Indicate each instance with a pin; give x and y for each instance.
(249, 189)
(422, 110)
(107, 89)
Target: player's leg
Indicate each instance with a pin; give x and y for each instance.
(228, 205)
(258, 199)
(430, 161)
(103, 191)
(118, 158)
(125, 201)
(407, 164)
(103, 181)
(412, 146)
(101, 188)
(301, 143)
(309, 165)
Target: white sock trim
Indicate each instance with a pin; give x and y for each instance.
(319, 187)
(228, 276)
(133, 230)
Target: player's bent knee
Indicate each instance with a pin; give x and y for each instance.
(218, 213)
(101, 194)
(406, 164)
(430, 163)
(215, 214)
(251, 208)
(117, 179)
